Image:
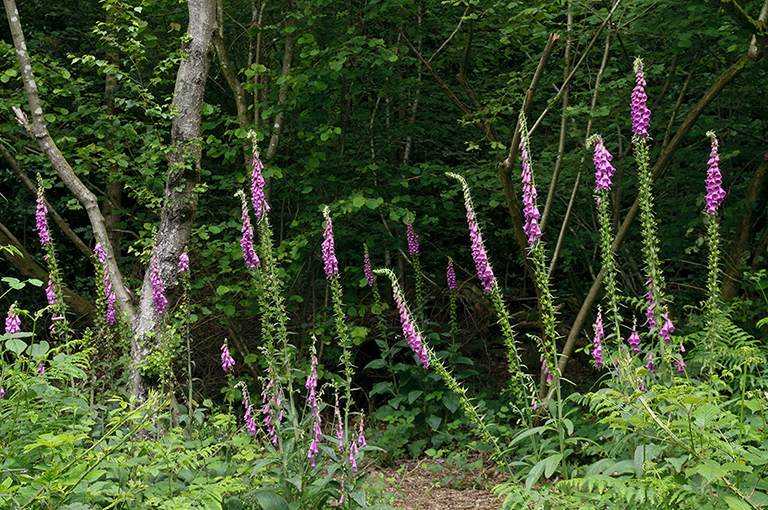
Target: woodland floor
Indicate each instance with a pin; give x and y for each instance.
(431, 485)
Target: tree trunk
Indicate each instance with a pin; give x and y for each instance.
(180, 196)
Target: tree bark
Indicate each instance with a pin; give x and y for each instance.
(180, 196)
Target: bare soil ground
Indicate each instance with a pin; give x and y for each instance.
(431, 485)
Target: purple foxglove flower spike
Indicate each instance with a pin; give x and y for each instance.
(634, 340)
(100, 254)
(530, 211)
(42, 221)
(246, 242)
(666, 329)
(227, 361)
(257, 187)
(597, 353)
(40, 370)
(250, 424)
(450, 275)
(715, 192)
(2, 392)
(12, 321)
(50, 292)
(367, 269)
(360, 437)
(183, 263)
(339, 424)
(329, 252)
(680, 366)
(650, 366)
(413, 239)
(641, 115)
(603, 169)
(158, 290)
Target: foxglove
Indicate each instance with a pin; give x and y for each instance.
(183, 263)
(41, 220)
(650, 366)
(257, 187)
(450, 275)
(329, 252)
(641, 115)
(246, 241)
(634, 341)
(530, 211)
(666, 329)
(715, 192)
(158, 290)
(597, 352)
(367, 269)
(12, 321)
(413, 239)
(227, 361)
(603, 169)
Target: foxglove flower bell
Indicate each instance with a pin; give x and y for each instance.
(227, 361)
(183, 263)
(603, 169)
(246, 241)
(413, 239)
(41, 220)
(367, 269)
(634, 341)
(12, 321)
(257, 187)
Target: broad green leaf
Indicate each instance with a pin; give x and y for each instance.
(271, 501)
(38, 349)
(413, 395)
(359, 498)
(358, 202)
(551, 464)
(15, 345)
(535, 474)
(736, 504)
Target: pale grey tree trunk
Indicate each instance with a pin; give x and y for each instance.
(180, 196)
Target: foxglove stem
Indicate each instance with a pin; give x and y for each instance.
(339, 317)
(450, 276)
(547, 342)
(413, 249)
(432, 361)
(603, 181)
(714, 198)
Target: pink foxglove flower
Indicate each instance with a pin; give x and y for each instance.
(360, 436)
(413, 239)
(40, 370)
(246, 242)
(12, 321)
(257, 187)
(183, 263)
(484, 270)
(641, 115)
(158, 289)
(367, 269)
(42, 221)
(409, 331)
(715, 192)
(680, 366)
(650, 366)
(109, 295)
(545, 370)
(634, 341)
(227, 361)
(450, 275)
(597, 352)
(250, 424)
(666, 329)
(603, 169)
(530, 211)
(50, 292)
(329, 252)
(2, 392)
